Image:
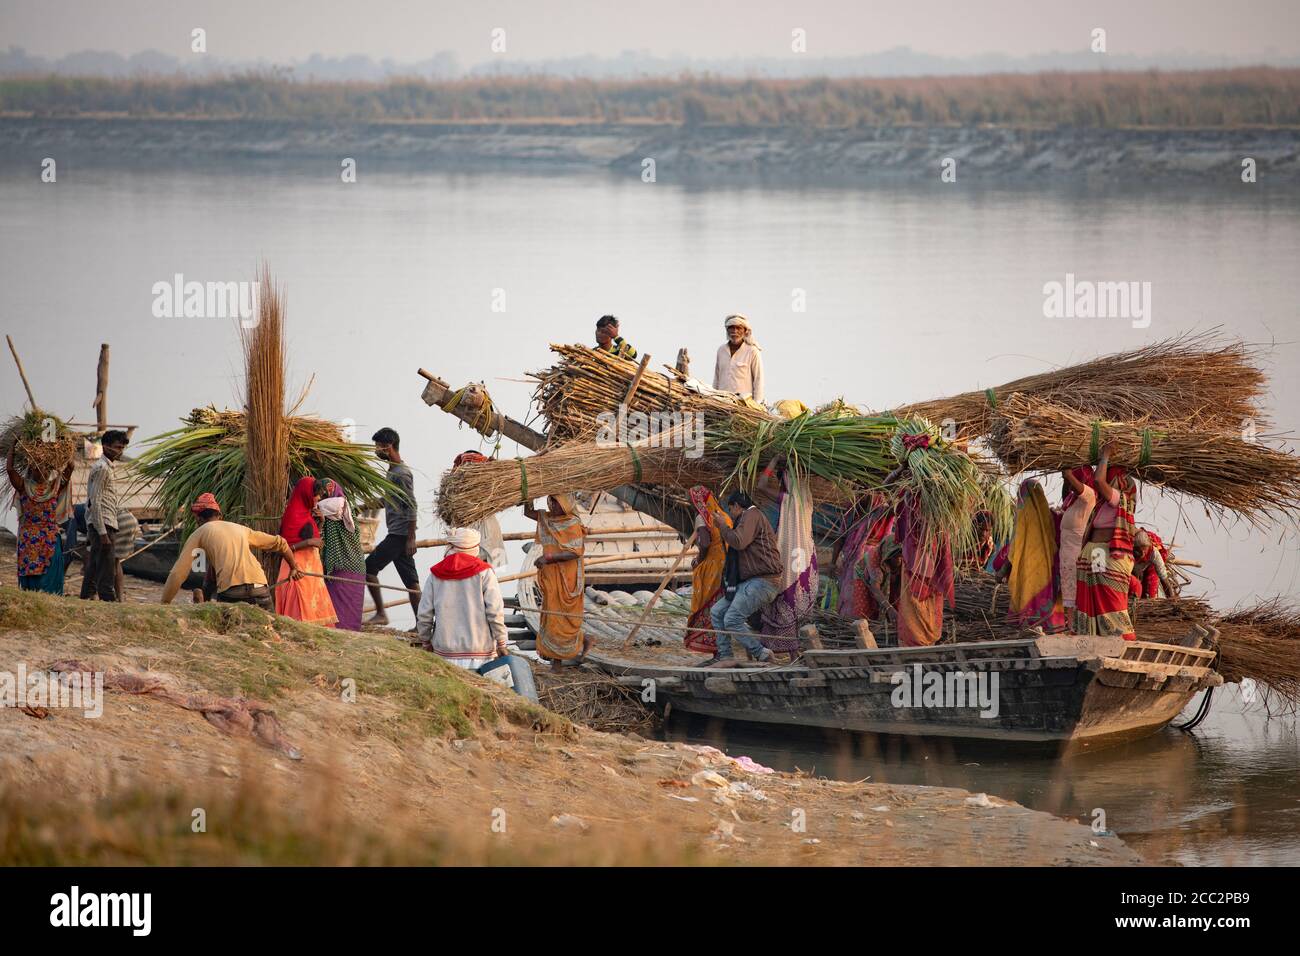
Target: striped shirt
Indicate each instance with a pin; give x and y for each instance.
(101, 496)
(621, 347)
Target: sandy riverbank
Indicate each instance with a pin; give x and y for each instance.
(682, 153)
(427, 764)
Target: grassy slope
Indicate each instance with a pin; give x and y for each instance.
(240, 650)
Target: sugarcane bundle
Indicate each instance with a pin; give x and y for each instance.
(1198, 381)
(589, 383)
(42, 445)
(210, 453)
(1226, 471)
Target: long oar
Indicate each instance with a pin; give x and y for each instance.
(649, 605)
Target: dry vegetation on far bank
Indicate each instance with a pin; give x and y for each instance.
(1193, 99)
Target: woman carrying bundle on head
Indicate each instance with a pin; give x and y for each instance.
(307, 598)
(706, 574)
(1077, 507)
(342, 557)
(852, 552)
(560, 579)
(1106, 562)
(43, 505)
(1031, 567)
(916, 577)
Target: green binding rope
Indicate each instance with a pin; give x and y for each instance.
(636, 464)
(992, 397)
(1094, 446)
(1144, 458)
(523, 481)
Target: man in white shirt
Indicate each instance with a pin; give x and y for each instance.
(461, 616)
(100, 570)
(739, 367)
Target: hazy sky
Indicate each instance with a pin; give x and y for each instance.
(408, 30)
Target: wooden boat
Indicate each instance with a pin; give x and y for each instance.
(1084, 691)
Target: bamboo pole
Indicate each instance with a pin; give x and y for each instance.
(100, 404)
(590, 562)
(636, 381)
(649, 605)
(21, 374)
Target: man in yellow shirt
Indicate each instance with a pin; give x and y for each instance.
(225, 549)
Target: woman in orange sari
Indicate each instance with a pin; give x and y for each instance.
(706, 575)
(306, 599)
(559, 577)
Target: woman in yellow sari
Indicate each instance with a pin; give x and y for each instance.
(706, 576)
(559, 577)
(1033, 581)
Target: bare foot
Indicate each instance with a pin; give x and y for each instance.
(381, 619)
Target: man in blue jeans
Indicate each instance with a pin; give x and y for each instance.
(751, 578)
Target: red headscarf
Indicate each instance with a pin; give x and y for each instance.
(297, 513)
(469, 457)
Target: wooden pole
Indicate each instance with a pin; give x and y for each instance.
(862, 634)
(684, 363)
(600, 559)
(100, 404)
(21, 374)
(649, 605)
(636, 380)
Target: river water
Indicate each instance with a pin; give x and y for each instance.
(882, 294)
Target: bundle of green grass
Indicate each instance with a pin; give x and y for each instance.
(900, 457)
(209, 453)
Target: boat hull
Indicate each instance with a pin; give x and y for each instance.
(1085, 691)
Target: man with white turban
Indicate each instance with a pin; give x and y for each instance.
(739, 367)
(461, 617)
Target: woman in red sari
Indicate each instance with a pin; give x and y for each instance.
(306, 599)
(1106, 562)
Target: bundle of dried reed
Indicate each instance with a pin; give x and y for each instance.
(1226, 471)
(476, 490)
(1198, 381)
(266, 463)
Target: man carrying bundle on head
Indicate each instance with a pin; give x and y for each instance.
(751, 578)
(608, 339)
(739, 367)
(224, 551)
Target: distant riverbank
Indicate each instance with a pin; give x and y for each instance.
(680, 152)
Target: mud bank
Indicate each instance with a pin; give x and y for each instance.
(681, 153)
(407, 760)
